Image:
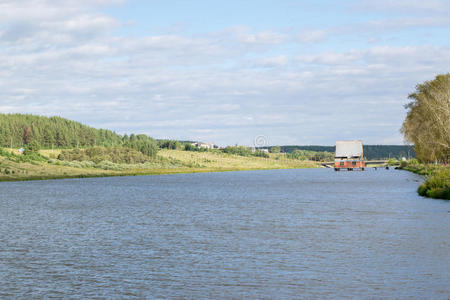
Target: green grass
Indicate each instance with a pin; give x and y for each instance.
(219, 160)
(14, 167)
(437, 179)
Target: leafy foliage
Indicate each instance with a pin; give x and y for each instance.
(238, 150)
(31, 148)
(190, 147)
(427, 123)
(169, 144)
(142, 143)
(30, 157)
(99, 154)
(244, 151)
(21, 129)
(17, 130)
(275, 149)
(437, 185)
(371, 152)
(311, 155)
(259, 153)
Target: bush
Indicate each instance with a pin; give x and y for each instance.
(391, 162)
(34, 156)
(311, 155)
(261, 154)
(422, 190)
(436, 185)
(189, 147)
(275, 149)
(413, 161)
(31, 157)
(238, 150)
(99, 154)
(107, 165)
(169, 144)
(32, 148)
(443, 193)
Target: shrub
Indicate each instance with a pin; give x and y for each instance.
(30, 157)
(413, 161)
(261, 154)
(107, 165)
(32, 148)
(422, 190)
(99, 154)
(238, 150)
(311, 155)
(437, 185)
(169, 144)
(190, 147)
(391, 162)
(275, 149)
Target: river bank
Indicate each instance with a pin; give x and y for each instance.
(437, 179)
(167, 162)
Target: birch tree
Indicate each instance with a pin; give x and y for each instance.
(427, 123)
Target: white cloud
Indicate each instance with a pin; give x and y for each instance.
(243, 34)
(313, 36)
(405, 6)
(62, 57)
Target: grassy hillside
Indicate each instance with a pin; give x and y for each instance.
(14, 167)
(219, 160)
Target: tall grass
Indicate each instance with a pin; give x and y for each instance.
(436, 185)
(437, 182)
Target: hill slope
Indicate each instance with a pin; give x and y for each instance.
(17, 130)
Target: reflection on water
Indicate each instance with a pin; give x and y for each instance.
(273, 234)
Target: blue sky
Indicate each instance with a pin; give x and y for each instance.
(293, 72)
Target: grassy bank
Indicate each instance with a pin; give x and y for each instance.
(15, 168)
(220, 160)
(437, 182)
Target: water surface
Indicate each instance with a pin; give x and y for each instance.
(257, 234)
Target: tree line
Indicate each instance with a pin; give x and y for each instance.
(19, 130)
(371, 152)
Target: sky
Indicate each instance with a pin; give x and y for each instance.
(253, 72)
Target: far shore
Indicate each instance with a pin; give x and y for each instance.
(167, 162)
(140, 173)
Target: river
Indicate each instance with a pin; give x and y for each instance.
(310, 233)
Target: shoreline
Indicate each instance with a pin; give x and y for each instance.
(436, 183)
(131, 174)
(14, 168)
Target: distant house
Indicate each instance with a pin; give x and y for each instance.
(203, 145)
(349, 155)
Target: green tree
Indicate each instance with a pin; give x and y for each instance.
(32, 148)
(275, 149)
(189, 147)
(427, 123)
